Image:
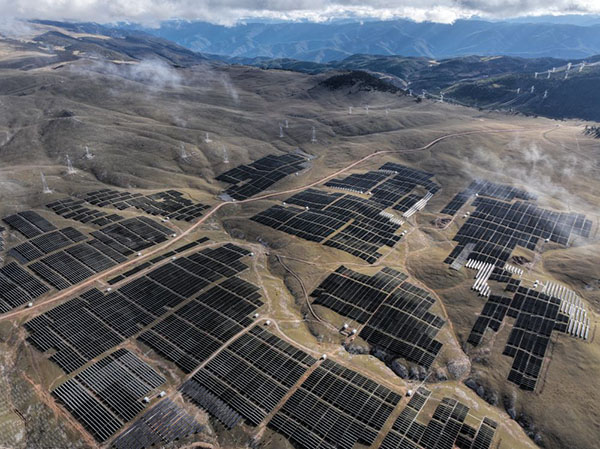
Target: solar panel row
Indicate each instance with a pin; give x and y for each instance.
(359, 226)
(445, 430)
(29, 223)
(395, 312)
(248, 180)
(85, 327)
(485, 188)
(537, 315)
(18, 287)
(496, 228)
(250, 377)
(74, 209)
(335, 407)
(164, 423)
(108, 393)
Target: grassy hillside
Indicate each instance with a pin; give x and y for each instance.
(146, 124)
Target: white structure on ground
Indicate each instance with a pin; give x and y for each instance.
(225, 155)
(484, 271)
(512, 269)
(70, 169)
(391, 217)
(182, 153)
(571, 305)
(45, 187)
(418, 205)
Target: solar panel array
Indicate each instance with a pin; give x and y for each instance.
(109, 393)
(395, 313)
(497, 227)
(18, 287)
(134, 234)
(29, 223)
(72, 265)
(162, 424)
(85, 327)
(406, 430)
(167, 255)
(248, 180)
(169, 203)
(357, 295)
(537, 315)
(345, 222)
(389, 184)
(45, 244)
(403, 326)
(446, 429)
(486, 188)
(335, 407)
(348, 222)
(63, 259)
(530, 335)
(492, 316)
(198, 329)
(248, 378)
(75, 209)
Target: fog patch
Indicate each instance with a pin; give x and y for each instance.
(230, 88)
(13, 28)
(154, 74)
(528, 166)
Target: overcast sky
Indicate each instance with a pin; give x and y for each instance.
(232, 11)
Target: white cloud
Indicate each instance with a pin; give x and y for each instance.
(232, 11)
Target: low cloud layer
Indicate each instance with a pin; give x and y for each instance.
(232, 11)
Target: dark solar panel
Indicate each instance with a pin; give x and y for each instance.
(395, 312)
(335, 408)
(162, 424)
(108, 393)
(250, 376)
(248, 180)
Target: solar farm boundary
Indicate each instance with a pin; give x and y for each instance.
(47, 399)
(90, 281)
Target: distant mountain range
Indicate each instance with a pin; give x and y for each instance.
(335, 41)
